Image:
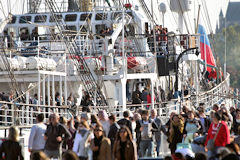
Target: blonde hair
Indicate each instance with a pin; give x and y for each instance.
(13, 134)
(39, 155)
(85, 124)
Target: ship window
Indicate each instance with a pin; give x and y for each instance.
(40, 19)
(25, 19)
(114, 15)
(84, 16)
(70, 17)
(13, 20)
(70, 30)
(100, 28)
(58, 17)
(101, 16)
(24, 34)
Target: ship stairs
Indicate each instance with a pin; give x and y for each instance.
(87, 78)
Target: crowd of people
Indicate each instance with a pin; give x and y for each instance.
(190, 135)
(161, 39)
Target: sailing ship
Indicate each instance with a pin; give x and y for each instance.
(107, 50)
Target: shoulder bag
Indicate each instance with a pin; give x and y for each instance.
(211, 142)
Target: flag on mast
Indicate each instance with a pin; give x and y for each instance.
(205, 48)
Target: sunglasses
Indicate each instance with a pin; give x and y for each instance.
(97, 130)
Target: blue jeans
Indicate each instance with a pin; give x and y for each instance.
(158, 143)
(213, 153)
(146, 145)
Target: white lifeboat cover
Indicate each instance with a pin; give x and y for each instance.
(21, 62)
(34, 63)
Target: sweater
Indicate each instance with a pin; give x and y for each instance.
(52, 132)
(223, 136)
(36, 138)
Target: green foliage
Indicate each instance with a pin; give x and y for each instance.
(232, 51)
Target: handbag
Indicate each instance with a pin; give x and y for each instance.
(211, 142)
(184, 145)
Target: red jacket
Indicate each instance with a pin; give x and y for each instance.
(223, 136)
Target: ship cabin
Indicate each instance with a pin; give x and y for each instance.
(26, 26)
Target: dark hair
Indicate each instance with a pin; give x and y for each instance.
(99, 126)
(217, 115)
(145, 112)
(168, 158)
(215, 105)
(201, 104)
(112, 117)
(70, 155)
(94, 118)
(237, 110)
(200, 156)
(200, 108)
(129, 134)
(231, 156)
(40, 117)
(179, 116)
(225, 116)
(126, 114)
(179, 156)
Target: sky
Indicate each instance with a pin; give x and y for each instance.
(170, 18)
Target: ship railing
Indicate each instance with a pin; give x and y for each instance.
(214, 96)
(170, 44)
(25, 114)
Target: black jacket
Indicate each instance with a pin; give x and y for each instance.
(12, 150)
(113, 132)
(125, 122)
(52, 132)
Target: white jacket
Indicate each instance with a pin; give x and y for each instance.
(80, 146)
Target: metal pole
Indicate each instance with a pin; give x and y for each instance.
(65, 80)
(205, 54)
(225, 50)
(152, 93)
(44, 93)
(53, 91)
(39, 88)
(124, 79)
(49, 95)
(39, 78)
(60, 89)
(65, 90)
